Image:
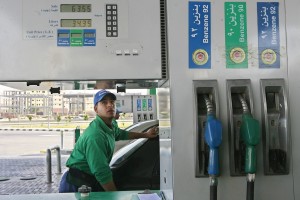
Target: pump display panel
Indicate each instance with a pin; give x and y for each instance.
(76, 40)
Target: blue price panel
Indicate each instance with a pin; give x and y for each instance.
(199, 35)
(138, 104)
(89, 37)
(149, 104)
(268, 34)
(63, 37)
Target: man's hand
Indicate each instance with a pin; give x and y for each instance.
(110, 186)
(152, 132)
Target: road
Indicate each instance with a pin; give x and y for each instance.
(14, 143)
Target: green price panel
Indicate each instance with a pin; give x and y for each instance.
(144, 104)
(236, 35)
(76, 37)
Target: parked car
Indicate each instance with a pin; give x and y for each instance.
(136, 166)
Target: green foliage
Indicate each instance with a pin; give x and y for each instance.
(69, 118)
(58, 118)
(29, 117)
(85, 117)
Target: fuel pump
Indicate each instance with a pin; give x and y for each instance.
(213, 138)
(249, 133)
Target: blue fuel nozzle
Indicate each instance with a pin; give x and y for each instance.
(213, 138)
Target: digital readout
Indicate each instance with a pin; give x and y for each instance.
(76, 35)
(75, 8)
(63, 35)
(89, 35)
(75, 23)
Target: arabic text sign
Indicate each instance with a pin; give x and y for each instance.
(268, 34)
(199, 35)
(236, 35)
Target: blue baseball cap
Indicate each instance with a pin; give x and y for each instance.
(101, 94)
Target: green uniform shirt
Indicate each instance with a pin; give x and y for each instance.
(115, 123)
(94, 150)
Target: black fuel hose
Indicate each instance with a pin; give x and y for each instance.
(213, 192)
(213, 189)
(250, 190)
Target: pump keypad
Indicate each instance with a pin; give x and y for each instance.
(111, 20)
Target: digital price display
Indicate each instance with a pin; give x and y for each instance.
(75, 23)
(89, 35)
(63, 35)
(76, 35)
(75, 8)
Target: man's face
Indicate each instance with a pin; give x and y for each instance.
(106, 107)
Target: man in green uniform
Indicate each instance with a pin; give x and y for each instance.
(89, 161)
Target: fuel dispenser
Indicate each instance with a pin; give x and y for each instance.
(244, 130)
(144, 108)
(228, 42)
(209, 134)
(234, 42)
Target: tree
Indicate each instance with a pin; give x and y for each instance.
(69, 118)
(58, 118)
(29, 117)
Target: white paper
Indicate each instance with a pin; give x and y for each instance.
(152, 196)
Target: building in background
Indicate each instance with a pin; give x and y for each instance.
(41, 103)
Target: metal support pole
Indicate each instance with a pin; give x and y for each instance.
(58, 160)
(62, 139)
(49, 164)
(49, 170)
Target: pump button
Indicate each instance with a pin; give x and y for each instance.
(135, 52)
(126, 52)
(118, 52)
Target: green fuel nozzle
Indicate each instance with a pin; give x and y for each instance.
(250, 134)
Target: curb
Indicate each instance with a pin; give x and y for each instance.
(30, 129)
(62, 151)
